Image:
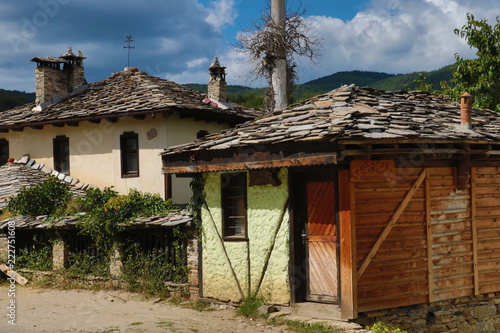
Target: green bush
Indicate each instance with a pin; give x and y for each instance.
(380, 327)
(49, 197)
(148, 272)
(85, 263)
(107, 213)
(36, 257)
(250, 306)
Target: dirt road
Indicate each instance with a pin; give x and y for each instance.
(54, 310)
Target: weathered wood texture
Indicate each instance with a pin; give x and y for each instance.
(397, 274)
(487, 220)
(322, 240)
(428, 255)
(451, 228)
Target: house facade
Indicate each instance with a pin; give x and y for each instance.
(372, 201)
(111, 132)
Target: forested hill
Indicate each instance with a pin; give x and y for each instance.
(253, 96)
(12, 98)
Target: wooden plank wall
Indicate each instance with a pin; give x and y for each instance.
(398, 274)
(429, 254)
(487, 210)
(452, 269)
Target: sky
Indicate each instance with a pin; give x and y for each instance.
(178, 39)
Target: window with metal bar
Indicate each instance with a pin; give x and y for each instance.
(61, 154)
(129, 148)
(234, 205)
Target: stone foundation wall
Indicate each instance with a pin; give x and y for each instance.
(464, 315)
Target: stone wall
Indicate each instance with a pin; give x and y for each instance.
(217, 90)
(464, 315)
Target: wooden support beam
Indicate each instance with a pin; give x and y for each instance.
(348, 262)
(37, 127)
(111, 120)
(18, 129)
(140, 116)
(58, 124)
(72, 123)
(391, 223)
(475, 259)
(428, 218)
(95, 121)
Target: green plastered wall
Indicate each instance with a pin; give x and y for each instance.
(232, 270)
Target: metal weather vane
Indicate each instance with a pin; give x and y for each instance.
(129, 47)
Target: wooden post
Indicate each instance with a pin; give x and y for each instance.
(278, 76)
(473, 194)
(430, 266)
(348, 280)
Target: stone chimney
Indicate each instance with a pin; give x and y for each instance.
(217, 86)
(466, 101)
(57, 77)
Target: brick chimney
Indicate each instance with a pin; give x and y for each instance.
(466, 101)
(56, 78)
(217, 86)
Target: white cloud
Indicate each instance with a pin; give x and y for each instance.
(396, 36)
(221, 13)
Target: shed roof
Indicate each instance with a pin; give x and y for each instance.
(15, 176)
(347, 115)
(172, 219)
(122, 94)
(352, 112)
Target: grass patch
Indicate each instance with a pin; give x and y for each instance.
(250, 307)
(201, 306)
(302, 327)
(136, 324)
(380, 327)
(165, 324)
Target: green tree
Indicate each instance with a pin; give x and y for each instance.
(480, 76)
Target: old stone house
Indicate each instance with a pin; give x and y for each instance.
(111, 132)
(362, 203)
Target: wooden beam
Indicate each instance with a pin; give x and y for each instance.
(37, 127)
(391, 223)
(263, 164)
(58, 124)
(72, 123)
(95, 121)
(428, 218)
(348, 281)
(473, 194)
(168, 186)
(111, 120)
(140, 116)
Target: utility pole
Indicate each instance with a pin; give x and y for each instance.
(129, 40)
(279, 72)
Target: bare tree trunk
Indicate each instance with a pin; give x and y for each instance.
(278, 75)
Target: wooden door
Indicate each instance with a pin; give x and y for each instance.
(321, 241)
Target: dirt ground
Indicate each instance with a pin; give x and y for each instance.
(55, 310)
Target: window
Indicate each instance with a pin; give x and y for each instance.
(4, 151)
(234, 205)
(129, 147)
(61, 154)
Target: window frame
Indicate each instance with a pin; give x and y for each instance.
(228, 221)
(61, 158)
(125, 153)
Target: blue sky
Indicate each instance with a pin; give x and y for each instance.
(177, 40)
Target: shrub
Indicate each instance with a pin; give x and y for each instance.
(381, 327)
(49, 197)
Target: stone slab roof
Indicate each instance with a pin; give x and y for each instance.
(124, 93)
(172, 219)
(355, 113)
(26, 172)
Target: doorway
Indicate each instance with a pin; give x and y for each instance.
(315, 253)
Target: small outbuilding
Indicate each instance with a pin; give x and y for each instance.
(367, 199)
